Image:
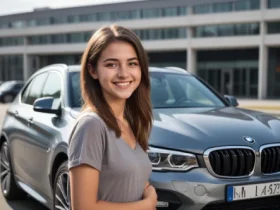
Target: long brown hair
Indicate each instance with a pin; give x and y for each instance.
(138, 110)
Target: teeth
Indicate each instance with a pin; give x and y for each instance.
(122, 83)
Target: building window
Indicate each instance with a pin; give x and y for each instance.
(42, 22)
(227, 30)
(11, 41)
(273, 4)
(76, 38)
(136, 14)
(240, 5)
(161, 34)
(124, 15)
(243, 5)
(87, 36)
(44, 39)
(18, 24)
(103, 16)
(11, 67)
(60, 20)
(59, 38)
(222, 7)
(203, 9)
(171, 11)
(145, 34)
(4, 25)
(73, 19)
(31, 23)
(182, 11)
(88, 17)
(273, 27)
(151, 13)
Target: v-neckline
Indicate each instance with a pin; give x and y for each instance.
(133, 149)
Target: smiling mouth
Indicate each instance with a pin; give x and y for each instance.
(122, 84)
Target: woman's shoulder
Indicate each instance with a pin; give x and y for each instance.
(90, 119)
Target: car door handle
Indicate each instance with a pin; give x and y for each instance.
(30, 121)
(16, 114)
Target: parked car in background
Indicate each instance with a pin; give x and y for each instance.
(207, 154)
(9, 90)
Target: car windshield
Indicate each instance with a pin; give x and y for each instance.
(6, 86)
(168, 90)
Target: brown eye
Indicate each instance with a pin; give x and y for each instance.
(111, 65)
(133, 64)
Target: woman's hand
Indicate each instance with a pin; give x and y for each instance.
(151, 196)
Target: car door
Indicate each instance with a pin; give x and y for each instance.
(21, 139)
(45, 127)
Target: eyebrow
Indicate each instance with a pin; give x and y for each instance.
(114, 59)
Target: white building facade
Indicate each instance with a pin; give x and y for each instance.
(234, 45)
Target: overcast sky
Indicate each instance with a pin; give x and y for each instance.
(18, 6)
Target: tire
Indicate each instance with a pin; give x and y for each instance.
(9, 188)
(61, 189)
(8, 98)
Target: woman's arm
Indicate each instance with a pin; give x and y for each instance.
(84, 190)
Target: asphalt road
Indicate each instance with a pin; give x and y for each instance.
(28, 203)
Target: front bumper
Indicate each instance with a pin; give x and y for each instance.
(199, 190)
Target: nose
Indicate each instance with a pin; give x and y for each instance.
(123, 71)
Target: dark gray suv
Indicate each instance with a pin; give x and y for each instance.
(206, 152)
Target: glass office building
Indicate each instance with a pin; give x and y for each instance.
(234, 45)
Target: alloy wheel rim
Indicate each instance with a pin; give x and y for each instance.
(5, 173)
(62, 192)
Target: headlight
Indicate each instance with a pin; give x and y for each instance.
(162, 159)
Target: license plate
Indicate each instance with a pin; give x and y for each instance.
(243, 192)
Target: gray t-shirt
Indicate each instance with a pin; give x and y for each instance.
(123, 171)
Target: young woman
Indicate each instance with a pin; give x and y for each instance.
(108, 164)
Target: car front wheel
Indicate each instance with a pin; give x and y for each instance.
(8, 185)
(62, 188)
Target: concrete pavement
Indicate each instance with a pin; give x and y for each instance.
(268, 106)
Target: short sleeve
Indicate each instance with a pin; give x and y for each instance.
(87, 143)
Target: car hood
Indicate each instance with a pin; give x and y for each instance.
(197, 129)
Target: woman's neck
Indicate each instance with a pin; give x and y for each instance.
(118, 107)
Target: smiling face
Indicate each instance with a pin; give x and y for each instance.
(118, 71)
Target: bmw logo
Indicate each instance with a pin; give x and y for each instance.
(249, 139)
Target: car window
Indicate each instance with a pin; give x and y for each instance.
(35, 89)
(192, 93)
(52, 86)
(25, 92)
(169, 90)
(75, 90)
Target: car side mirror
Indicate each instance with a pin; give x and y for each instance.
(47, 105)
(232, 100)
